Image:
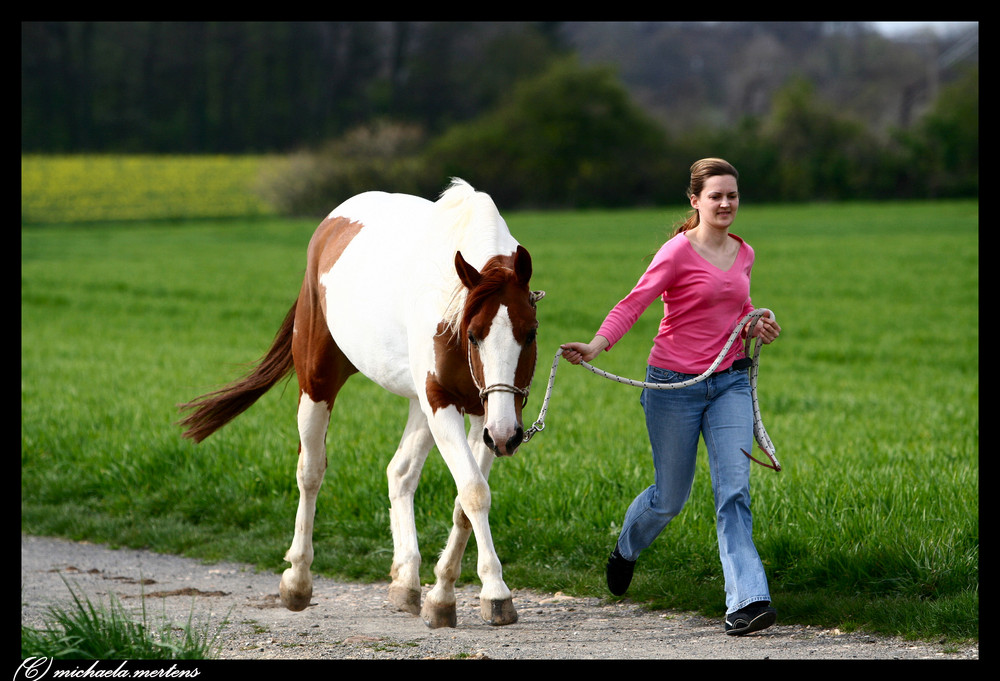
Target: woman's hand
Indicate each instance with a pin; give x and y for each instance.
(766, 329)
(574, 353)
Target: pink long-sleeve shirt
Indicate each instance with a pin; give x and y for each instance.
(701, 304)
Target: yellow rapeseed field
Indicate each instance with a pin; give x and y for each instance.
(85, 188)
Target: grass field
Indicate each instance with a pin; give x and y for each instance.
(870, 395)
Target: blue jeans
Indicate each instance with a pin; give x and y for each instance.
(720, 409)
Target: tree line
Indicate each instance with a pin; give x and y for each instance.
(244, 87)
(509, 106)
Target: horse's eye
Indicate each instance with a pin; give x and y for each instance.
(472, 340)
(530, 337)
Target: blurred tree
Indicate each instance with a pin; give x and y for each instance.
(206, 87)
(381, 155)
(571, 137)
(820, 154)
(941, 152)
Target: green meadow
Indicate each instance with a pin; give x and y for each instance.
(871, 396)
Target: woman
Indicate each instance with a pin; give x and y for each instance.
(703, 276)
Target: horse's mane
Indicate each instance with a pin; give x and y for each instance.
(460, 207)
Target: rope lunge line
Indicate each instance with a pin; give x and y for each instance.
(759, 433)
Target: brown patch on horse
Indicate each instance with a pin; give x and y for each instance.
(320, 365)
(327, 245)
(451, 383)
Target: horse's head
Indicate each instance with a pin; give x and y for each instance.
(498, 334)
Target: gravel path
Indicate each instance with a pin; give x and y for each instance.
(353, 621)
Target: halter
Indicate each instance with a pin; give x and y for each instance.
(496, 387)
(760, 435)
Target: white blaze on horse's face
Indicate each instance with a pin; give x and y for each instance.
(500, 352)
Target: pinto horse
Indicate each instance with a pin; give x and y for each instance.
(429, 300)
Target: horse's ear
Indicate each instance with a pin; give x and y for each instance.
(469, 275)
(522, 265)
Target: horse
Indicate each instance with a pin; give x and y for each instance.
(429, 300)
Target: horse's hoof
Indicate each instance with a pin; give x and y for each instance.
(499, 612)
(295, 602)
(405, 599)
(295, 599)
(439, 616)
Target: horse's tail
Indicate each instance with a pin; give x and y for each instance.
(215, 409)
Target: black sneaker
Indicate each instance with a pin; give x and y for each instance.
(619, 572)
(754, 617)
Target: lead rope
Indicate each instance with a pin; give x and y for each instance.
(759, 433)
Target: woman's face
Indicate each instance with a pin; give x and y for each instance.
(718, 201)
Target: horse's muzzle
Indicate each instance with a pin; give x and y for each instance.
(513, 442)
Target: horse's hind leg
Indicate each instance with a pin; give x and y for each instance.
(321, 369)
(404, 474)
(296, 581)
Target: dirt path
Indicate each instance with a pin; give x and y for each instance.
(353, 621)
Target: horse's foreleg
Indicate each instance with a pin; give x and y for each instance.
(495, 601)
(404, 474)
(439, 607)
(296, 581)
(470, 515)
